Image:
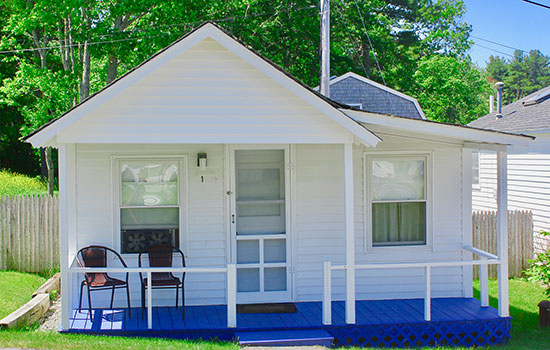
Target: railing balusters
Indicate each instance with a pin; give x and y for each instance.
(428, 296)
(327, 293)
(149, 300)
(231, 296)
(486, 259)
(484, 282)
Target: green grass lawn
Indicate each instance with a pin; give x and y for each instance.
(524, 297)
(12, 184)
(16, 289)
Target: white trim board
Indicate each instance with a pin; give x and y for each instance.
(452, 131)
(208, 30)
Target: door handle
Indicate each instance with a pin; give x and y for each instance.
(233, 218)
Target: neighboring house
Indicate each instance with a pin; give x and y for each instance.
(270, 189)
(528, 167)
(362, 93)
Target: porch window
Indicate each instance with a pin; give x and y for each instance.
(397, 200)
(149, 204)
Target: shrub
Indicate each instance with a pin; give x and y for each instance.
(12, 184)
(539, 269)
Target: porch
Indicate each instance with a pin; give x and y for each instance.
(388, 323)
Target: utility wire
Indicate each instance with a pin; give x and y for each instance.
(370, 42)
(536, 3)
(154, 36)
(497, 43)
(490, 48)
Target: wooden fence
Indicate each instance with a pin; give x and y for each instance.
(29, 233)
(520, 239)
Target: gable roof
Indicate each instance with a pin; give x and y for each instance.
(326, 106)
(354, 89)
(529, 114)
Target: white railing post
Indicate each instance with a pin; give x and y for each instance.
(350, 232)
(149, 301)
(502, 232)
(484, 282)
(231, 296)
(327, 293)
(428, 296)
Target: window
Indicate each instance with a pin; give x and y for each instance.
(149, 203)
(475, 168)
(397, 196)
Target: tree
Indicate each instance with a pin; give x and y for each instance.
(451, 89)
(73, 48)
(522, 75)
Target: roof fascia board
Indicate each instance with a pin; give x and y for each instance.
(119, 86)
(250, 57)
(382, 87)
(439, 129)
(485, 146)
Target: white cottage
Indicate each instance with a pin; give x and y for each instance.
(275, 194)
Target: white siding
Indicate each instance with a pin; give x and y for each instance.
(206, 94)
(205, 241)
(528, 183)
(318, 224)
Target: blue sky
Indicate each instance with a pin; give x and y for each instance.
(514, 23)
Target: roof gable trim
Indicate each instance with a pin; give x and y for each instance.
(48, 132)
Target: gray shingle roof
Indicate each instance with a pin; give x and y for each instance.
(517, 117)
(353, 90)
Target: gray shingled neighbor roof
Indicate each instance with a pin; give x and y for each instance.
(520, 116)
(352, 91)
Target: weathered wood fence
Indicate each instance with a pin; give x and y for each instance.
(520, 239)
(29, 233)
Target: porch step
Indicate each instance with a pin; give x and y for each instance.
(285, 338)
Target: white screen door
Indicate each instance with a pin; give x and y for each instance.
(259, 224)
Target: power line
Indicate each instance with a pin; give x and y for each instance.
(497, 43)
(490, 48)
(155, 36)
(537, 4)
(370, 43)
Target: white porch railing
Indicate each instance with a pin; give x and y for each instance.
(231, 278)
(485, 259)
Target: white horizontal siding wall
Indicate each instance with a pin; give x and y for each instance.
(206, 94)
(205, 241)
(320, 225)
(318, 221)
(528, 183)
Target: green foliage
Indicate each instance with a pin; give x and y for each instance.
(524, 297)
(451, 89)
(16, 289)
(12, 184)
(522, 75)
(539, 269)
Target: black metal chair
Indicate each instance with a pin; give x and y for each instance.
(162, 256)
(96, 256)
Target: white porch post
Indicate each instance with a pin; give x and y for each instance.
(350, 233)
(502, 231)
(66, 211)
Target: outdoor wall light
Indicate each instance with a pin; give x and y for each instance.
(201, 160)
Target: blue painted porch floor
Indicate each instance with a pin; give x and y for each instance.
(455, 321)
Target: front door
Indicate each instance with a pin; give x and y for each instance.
(259, 224)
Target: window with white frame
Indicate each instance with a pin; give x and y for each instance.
(475, 168)
(397, 199)
(149, 203)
